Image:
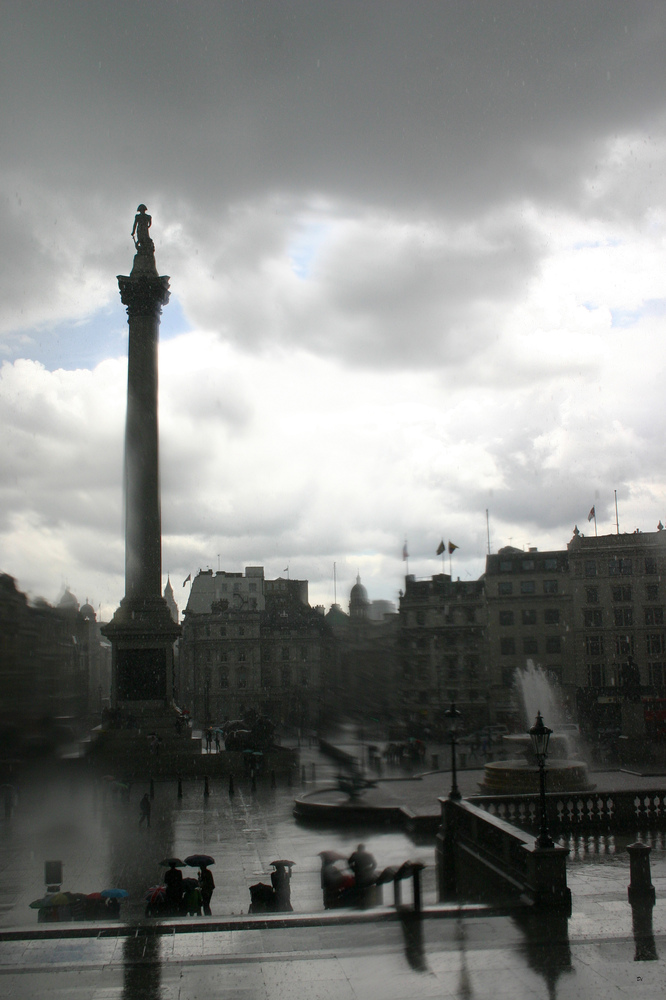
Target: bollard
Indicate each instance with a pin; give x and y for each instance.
(397, 892)
(314, 771)
(273, 781)
(303, 774)
(206, 788)
(640, 886)
(152, 789)
(416, 874)
(180, 787)
(231, 785)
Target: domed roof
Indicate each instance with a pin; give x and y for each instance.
(359, 594)
(68, 600)
(88, 611)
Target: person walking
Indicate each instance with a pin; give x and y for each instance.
(207, 884)
(173, 880)
(144, 809)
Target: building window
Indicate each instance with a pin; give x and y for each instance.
(655, 644)
(595, 675)
(619, 567)
(304, 652)
(508, 647)
(527, 587)
(652, 591)
(594, 645)
(241, 678)
(650, 565)
(253, 588)
(553, 644)
(505, 566)
(472, 668)
(420, 618)
(624, 645)
(593, 618)
(207, 629)
(551, 616)
(505, 589)
(241, 656)
(285, 676)
(622, 593)
(549, 565)
(656, 674)
(592, 595)
(528, 565)
(506, 617)
(266, 678)
(550, 586)
(529, 617)
(285, 652)
(266, 654)
(508, 674)
(223, 630)
(305, 677)
(590, 567)
(654, 616)
(452, 666)
(530, 645)
(223, 656)
(241, 630)
(470, 614)
(224, 678)
(623, 616)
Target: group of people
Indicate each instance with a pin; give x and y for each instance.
(212, 735)
(186, 895)
(346, 888)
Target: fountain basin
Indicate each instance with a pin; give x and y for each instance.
(516, 777)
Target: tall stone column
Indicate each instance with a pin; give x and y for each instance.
(142, 632)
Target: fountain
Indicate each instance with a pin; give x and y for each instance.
(520, 775)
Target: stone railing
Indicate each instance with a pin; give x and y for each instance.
(481, 857)
(580, 811)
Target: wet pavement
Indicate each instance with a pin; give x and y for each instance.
(465, 953)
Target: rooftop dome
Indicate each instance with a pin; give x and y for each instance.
(88, 611)
(68, 601)
(358, 592)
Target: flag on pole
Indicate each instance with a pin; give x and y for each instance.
(592, 514)
(441, 548)
(405, 553)
(452, 547)
(188, 580)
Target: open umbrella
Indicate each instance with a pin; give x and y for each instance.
(287, 864)
(176, 862)
(114, 894)
(57, 899)
(199, 860)
(156, 894)
(37, 904)
(328, 857)
(94, 896)
(190, 883)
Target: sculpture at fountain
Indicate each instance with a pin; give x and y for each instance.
(534, 692)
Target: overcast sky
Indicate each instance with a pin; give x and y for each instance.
(418, 268)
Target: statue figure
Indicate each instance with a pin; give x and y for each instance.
(142, 223)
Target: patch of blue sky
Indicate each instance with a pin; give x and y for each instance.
(629, 317)
(85, 343)
(305, 245)
(597, 244)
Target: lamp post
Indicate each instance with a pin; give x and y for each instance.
(540, 735)
(452, 716)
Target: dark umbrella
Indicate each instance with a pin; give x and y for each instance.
(176, 862)
(328, 857)
(199, 860)
(287, 864)
(114, 894)
(190, 883)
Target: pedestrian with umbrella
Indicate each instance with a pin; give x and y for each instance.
(173, 880)
(280, 880)
(144, 809)
(206, 880)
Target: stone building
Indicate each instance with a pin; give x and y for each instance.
(251, 644)
(530, 618)
(441, 650)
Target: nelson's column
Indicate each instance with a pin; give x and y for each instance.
(142, 632)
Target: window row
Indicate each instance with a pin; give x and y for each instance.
(551, 616)
(622, 593)
(549, 565)
(655, 644)
(505, 587)
(620, 566)
(599, 675)
(530, 645)
(286, 678)
(622, 617)
(245, 655)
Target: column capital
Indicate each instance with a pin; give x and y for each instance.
(144, 295)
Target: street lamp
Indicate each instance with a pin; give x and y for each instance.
(540, 736)
(452, 716)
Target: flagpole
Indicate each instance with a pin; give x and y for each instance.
(595, 521)
(488, 529)
(617, 519)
